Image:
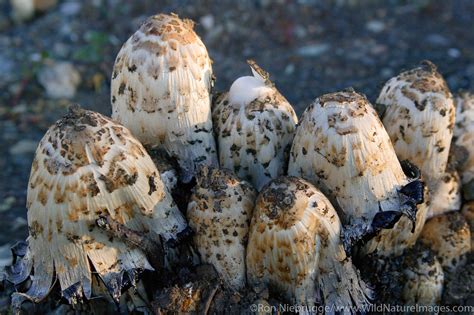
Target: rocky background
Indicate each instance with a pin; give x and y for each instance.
(64, 52)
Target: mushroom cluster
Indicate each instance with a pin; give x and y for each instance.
(280, 210)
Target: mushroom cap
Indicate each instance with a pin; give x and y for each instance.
(447, 196)
(468, 213)
(464, 134)
(219, 212)
(419, 118)
(295, 247)
(464, 102)
(86, 166)
(160, 90)
(423, 278)
(254, 126)
(342, 147)
(449, 236)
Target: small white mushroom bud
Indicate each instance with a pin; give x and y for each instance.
(419, 117)
(87, 166)
(254, 125)
(219, 212)
(160, 90)
(449, 236)
(448, 195)
(295, 247)
(422, 277)
(342, 147)
(464, 136)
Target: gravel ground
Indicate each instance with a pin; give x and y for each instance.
(309, 48)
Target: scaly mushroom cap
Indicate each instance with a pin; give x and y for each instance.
(86, 166)
(464, 135)
(160, 90)
(254, 125)
(342, 147)
(468, 213)
(295, 247)
(219, 212)
(449, 236)
(447, 196)
(464, 102)
(419, 118)
(423, 278)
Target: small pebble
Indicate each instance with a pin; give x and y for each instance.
(22, 10)
(24, 146)
(7, 203)
(300, 31)
(375, 26)
(60, 80)
(437, 40)
(70, 8)
(289, 69)
(313, 50)
(207, 22)
(386, 72)
(454, 53)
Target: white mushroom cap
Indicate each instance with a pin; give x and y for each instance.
(423, 278)
(464, 134)
(295, 247)
(254, 125)
(419, 118)
(342, 147)
(161, 90)
(447, 196)
(219, 212)
(449, 236)
(86, 166)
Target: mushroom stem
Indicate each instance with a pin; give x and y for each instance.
(151, 247)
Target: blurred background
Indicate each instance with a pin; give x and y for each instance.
(53, 53)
